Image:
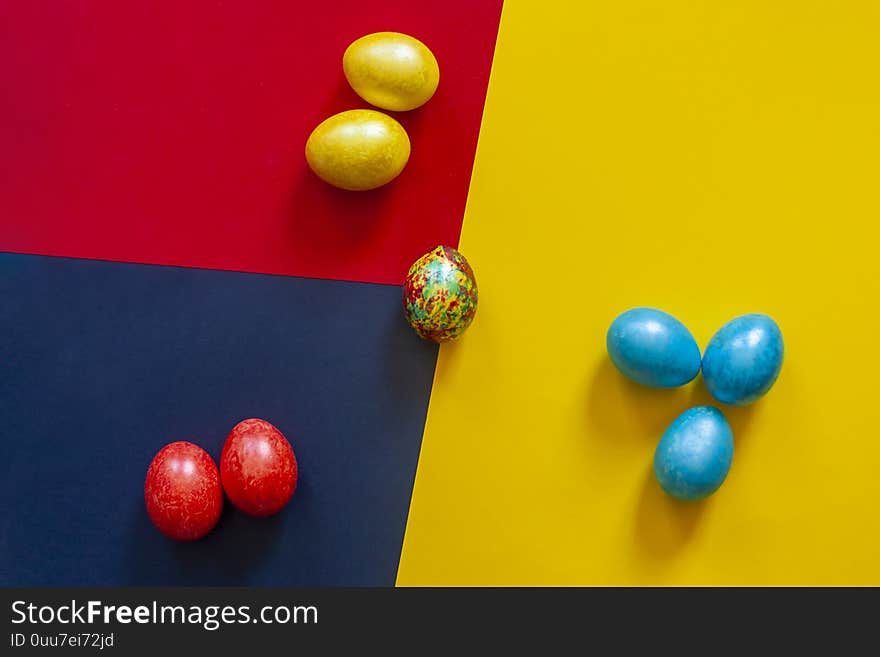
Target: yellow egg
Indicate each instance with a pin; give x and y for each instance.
(391, 70)
(358, 149)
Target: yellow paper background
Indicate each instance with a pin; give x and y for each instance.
(710, 159)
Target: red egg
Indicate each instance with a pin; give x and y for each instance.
(182, 491)
(258, 468)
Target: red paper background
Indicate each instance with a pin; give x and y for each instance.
(173, 133)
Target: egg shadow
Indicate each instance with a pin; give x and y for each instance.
(450, 357)
(400, 338)
(664, 524)
(228, 556)
(341, 98)
(447, 359)
(449, 353)
(410, 120)
(620, 410)
(235, 548)
(323, 218)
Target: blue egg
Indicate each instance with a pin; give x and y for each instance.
(653, 348)
(694, 454)
(743, 359)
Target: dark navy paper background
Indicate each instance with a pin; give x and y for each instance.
(104, 363)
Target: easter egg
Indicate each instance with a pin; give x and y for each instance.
(743, 359)
(358, 149)
(258, 468)
(182, 491)
(440, 295)
(694, 454)
(653, 348)
(391, 70)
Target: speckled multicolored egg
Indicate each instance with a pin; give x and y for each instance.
(440, 295)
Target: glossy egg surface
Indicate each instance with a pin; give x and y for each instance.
(358, 150)
(653, 348)
(694, 455)
(440, 295)
(391, 70)
(743, 359)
